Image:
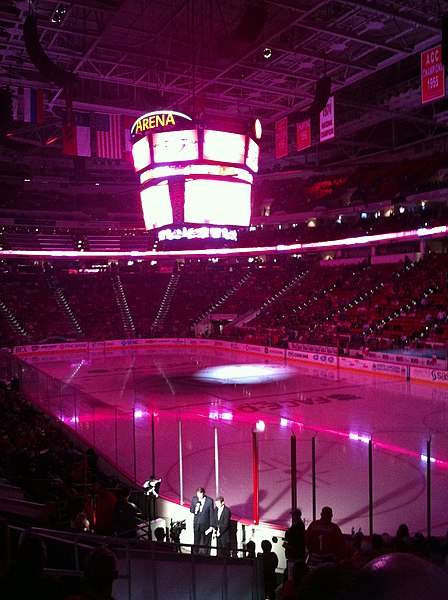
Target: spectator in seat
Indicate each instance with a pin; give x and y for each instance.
(126, 515)
(269, 561)
(26, 578)
(250, 550)
(105, 509)
(100, 572)
(289, 589)
(402, 539)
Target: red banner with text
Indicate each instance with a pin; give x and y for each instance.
(303, 130)
(432, 75)
(281, 137)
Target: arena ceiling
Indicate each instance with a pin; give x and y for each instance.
(133, 56)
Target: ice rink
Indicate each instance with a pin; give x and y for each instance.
(192, 413)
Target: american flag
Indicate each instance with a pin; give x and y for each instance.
(108, 136)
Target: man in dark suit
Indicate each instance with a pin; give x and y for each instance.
(202, 508)
(221, 524)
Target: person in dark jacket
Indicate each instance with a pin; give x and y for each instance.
(221, 524)
(202, 508)
(126, 515)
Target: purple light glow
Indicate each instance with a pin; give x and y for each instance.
(359, 438)
(214, 415)
(425, 458)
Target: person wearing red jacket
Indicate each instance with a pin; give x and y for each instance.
(324, 539)
(104, 509)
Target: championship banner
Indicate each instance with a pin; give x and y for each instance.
(326, 118)
(281, 137)
(432, 75)
(303, 131)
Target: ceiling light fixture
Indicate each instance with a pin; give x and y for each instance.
(267, 53)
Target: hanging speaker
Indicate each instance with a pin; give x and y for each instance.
(251, 24)
(323, 93)
(48, 69)
(445, 40)
(6, 117)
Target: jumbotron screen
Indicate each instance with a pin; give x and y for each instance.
(193, 175)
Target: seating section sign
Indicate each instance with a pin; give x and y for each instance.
(432, 75)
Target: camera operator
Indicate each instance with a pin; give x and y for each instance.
(176, 529)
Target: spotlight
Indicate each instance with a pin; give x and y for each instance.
(58, 14)
(267, 53)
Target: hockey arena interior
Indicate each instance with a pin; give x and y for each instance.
(224, 299)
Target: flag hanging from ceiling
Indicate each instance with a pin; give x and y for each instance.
(33, 106)
(15, 102)
(68, 115)
(108, 135)
(76, 135)
(126, 124)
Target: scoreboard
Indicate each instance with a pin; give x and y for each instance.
(194, 175)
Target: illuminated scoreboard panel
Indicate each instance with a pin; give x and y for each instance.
(223, 146)
(217, 202)
(156, 205)
(141, 154)
(193, 176)
(175, 146)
